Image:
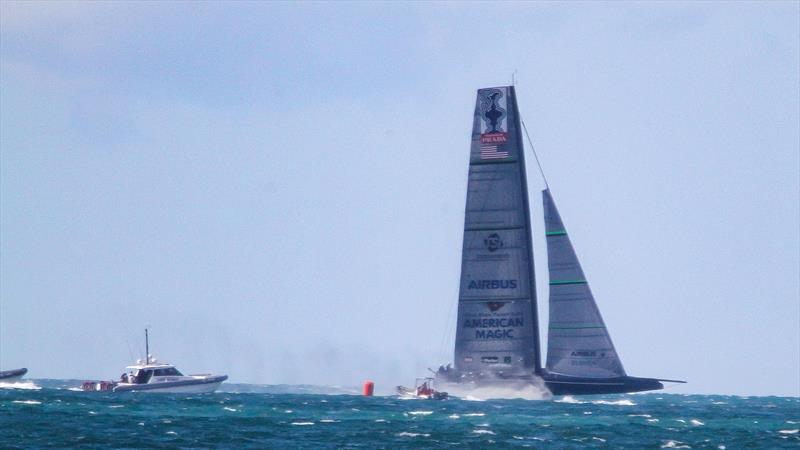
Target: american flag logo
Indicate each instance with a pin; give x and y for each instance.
(490, 152)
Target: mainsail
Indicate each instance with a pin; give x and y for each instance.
(497, 331)
(578, 343)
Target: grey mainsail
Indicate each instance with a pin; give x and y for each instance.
(578, 342)
(497, 330)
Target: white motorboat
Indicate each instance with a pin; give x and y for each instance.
(153, 376)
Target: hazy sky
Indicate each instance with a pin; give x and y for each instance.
(277, 189)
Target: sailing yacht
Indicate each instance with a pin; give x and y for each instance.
(497, 334)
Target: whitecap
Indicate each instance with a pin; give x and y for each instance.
(420, 413)
(470, 398)
(640, 415)
(623, 402)
(380, 420)
(172, 433)
(675, 444)
(302, 423)
(406, 433)
(27, 402)
(474, 414)
(92, 413)
(696, 422)
(598, 439)
(117, 406)
(288, 411)
(27, 385)
(328, 421)
(652, 420)
(453, 416)
(587, 413)
(570, 399)
(680, 420)
(483, 431)
(230, 409)
(795, 431)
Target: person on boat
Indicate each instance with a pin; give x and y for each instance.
(423, 389)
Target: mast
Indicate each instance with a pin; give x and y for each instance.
(537, 358)
(146, 347)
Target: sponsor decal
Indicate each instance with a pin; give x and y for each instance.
(493, 112)
(587, 353)
(494, 323)
(493, 242)
(492, 284)
(501, 328)
(495, 306)
(467, 359)
(493, 129)
(494, 138)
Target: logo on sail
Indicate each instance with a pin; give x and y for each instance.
(493, 115)
(492, 284)
(495, 306)
(493, 242)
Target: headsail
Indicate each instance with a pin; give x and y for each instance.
(497, 330)
(578, 342)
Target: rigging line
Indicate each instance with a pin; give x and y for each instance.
(533, 150)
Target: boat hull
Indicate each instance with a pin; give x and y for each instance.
(565, 385)
(196, 386)
(556, 384)
(10, 376)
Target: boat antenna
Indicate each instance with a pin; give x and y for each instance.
(146, 347)
(533, 149)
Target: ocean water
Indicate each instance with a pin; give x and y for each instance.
(50, 413)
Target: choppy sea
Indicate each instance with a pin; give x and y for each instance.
(51, 413)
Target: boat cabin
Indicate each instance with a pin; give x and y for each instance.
(143, 374)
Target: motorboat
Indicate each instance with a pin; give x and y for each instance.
(150, 375)
(11, 376)
(423, 389)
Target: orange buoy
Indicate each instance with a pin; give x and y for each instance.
(369, 388)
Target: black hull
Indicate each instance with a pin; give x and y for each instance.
(560, 384)
(563, 385)
(16, 373)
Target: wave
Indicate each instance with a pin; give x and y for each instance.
(26, 384)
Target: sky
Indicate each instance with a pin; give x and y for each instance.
(277, 189)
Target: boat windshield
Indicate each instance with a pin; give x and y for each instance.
(169, 371)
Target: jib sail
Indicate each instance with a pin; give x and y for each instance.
(497, 330)
(578, 342)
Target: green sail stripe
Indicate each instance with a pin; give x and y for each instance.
(573, 328)
(556, 233)
(557, 283)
